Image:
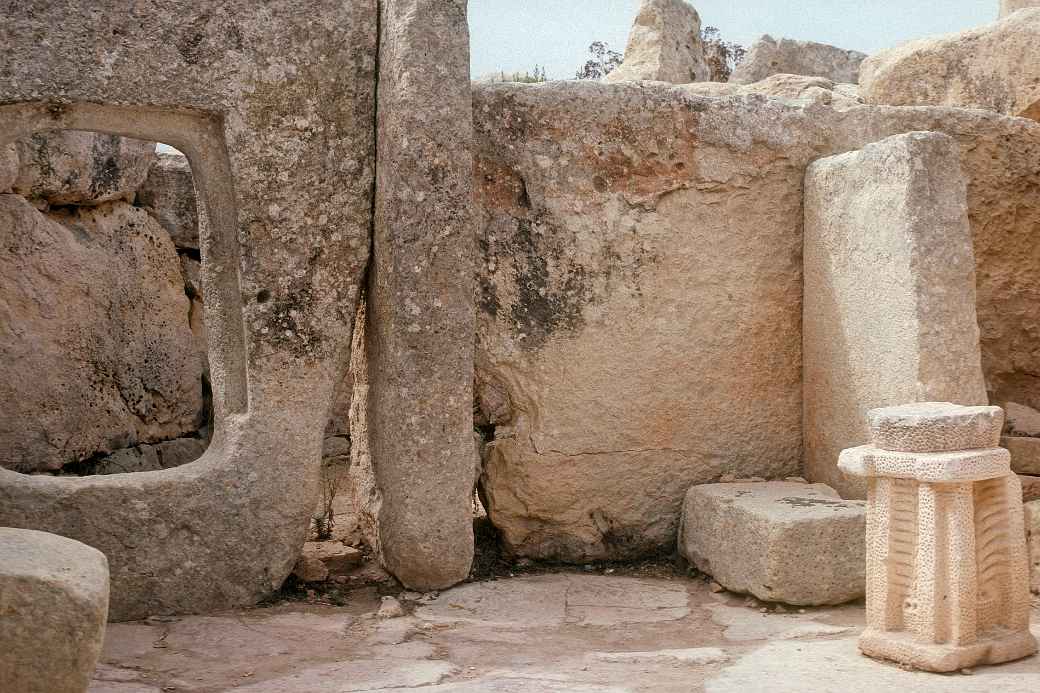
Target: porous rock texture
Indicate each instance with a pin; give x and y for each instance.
(273, 105)
(69, 167)
(780, 541)
(168, 193)
(1009, 6)
(889, 297)
(640, 293)
(769, 56)
(53, 609)
(96, 353)
(664, 45)
(798, 90)
(1032, 523)
(994, 66)
(417, 435)
(947, 566)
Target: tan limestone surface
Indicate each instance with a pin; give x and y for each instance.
(769, 56)
(53, 609)
(418, 490)
(640, 293)
(994, 66)
(97, 351)
(889, 297)
(780, 541)
(1009, 6)
(947, 565)
(273, 105)
(664, 45)
(168, 193)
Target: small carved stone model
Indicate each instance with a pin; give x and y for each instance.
(947, 573)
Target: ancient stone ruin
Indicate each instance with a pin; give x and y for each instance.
(325, 368)
(947, 575)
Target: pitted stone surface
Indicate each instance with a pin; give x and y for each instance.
(769, 56)
(96, 350)
(1009, 6)
(169, 195)
(81, 167)
(889, 292)
(780, 541)
(53, 608)
(994, 66)
(947, 568)
(935, 427)
(415, 449)
(1025, 453)
(273, 106)
(594, 236)
(664, 45)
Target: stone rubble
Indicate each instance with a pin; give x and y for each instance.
(769, 56)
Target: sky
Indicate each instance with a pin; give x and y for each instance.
(514, 35)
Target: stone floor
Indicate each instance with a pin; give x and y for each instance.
(586, 633)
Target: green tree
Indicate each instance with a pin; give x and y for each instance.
(602, 61)
(722, 56)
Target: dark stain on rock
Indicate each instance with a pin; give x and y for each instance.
(545, 304)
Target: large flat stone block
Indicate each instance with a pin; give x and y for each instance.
(53, 610)
(780, 541)
(889, 297)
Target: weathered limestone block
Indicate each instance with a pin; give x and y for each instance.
(419, 303)
(780, 541)
(769, 56)
(76, 168)
(947, 568)
(1025, 453)
(8, 167)
(147, 458)
(1009, 6)
(995, 66)
(797, 90)
(53, 609)
(889, 305)
(273, 105)
(628, 231)
(169, 195)
(1032, 522)
(96, 353)
(664, 45)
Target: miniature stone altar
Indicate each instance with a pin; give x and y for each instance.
(947, 573)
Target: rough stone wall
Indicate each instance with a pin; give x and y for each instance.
(639, 294)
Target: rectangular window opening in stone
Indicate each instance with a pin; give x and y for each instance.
(104, 364)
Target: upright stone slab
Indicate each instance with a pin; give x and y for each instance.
(664, 45)
(273, 105)
(1031, 511)
(53, 608)
(419, 314)
(169, 195)
(947, 569)
(889, 292)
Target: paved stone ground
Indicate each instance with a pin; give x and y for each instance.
(581, 633)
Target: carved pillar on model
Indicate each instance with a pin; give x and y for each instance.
(947, 571)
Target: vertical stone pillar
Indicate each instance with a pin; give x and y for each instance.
(947, 571)
(420, 318)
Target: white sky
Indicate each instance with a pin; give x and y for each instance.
(514, 35)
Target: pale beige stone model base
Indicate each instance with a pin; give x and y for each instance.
(947, 571)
